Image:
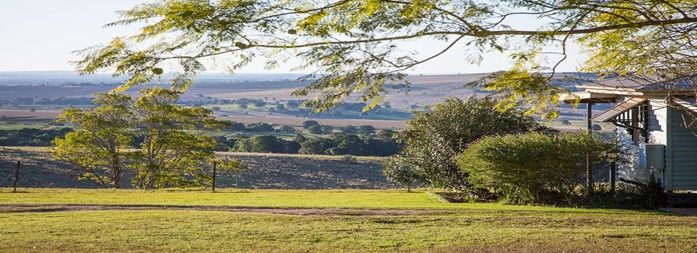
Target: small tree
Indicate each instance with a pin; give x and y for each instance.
(399, 173)
(171, 154)
(99, 143)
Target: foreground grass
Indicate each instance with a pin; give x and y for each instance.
(447, 227)
(375, 199)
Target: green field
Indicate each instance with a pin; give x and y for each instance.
(40, 220)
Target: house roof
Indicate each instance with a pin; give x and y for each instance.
(690, 107)
(627, 105)
(587, 97)
(610, 89)
(644, 83)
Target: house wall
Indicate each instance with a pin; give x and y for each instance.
(657, 120)
(682, 142)
(657, 127)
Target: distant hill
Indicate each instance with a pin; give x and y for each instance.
(58, 78)
(274, 89)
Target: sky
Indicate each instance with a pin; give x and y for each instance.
(41, 35)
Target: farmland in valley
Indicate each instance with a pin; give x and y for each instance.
(41, 96)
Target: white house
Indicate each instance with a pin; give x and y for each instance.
(662, 116)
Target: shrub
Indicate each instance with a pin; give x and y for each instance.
(267, 144)
(286, 129)
(236, 127)
(366, 130)
(309, 123)
(434, 138)
(260, 127)
(530, 167)
(316, 146)
(350, 130)
(647, 194)
(315, 129)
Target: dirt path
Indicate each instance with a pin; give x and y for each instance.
(25, 208)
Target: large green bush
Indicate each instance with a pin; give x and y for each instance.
(434, 138)
(530, 167)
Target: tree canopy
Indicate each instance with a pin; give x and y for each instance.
(352, 46)
(99, 143)
(172, 153)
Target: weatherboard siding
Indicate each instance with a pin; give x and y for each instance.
(683, 142)
(657, 122)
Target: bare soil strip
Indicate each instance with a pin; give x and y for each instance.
(29, 208)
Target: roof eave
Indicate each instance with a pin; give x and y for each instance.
(587, 97)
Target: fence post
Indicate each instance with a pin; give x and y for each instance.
(14, 184)
(589, 164)
(215, 163)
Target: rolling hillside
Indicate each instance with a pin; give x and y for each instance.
(263, 171)
(41, 95)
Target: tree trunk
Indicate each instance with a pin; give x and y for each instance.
(116, 170)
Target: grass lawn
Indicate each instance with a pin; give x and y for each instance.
(397, 221)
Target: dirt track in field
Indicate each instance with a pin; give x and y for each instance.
(30, 208)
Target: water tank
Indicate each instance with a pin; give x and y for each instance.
(652, 157)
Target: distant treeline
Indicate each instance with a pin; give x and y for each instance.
(31, 136)
(335, 144)
(296, 108)
(350, 140)
(256, 137)
(289, 107)
(62, 101)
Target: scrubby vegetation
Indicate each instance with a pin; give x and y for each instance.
(260, 171)
(434, 138)
(36, 137)
(535, 167)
